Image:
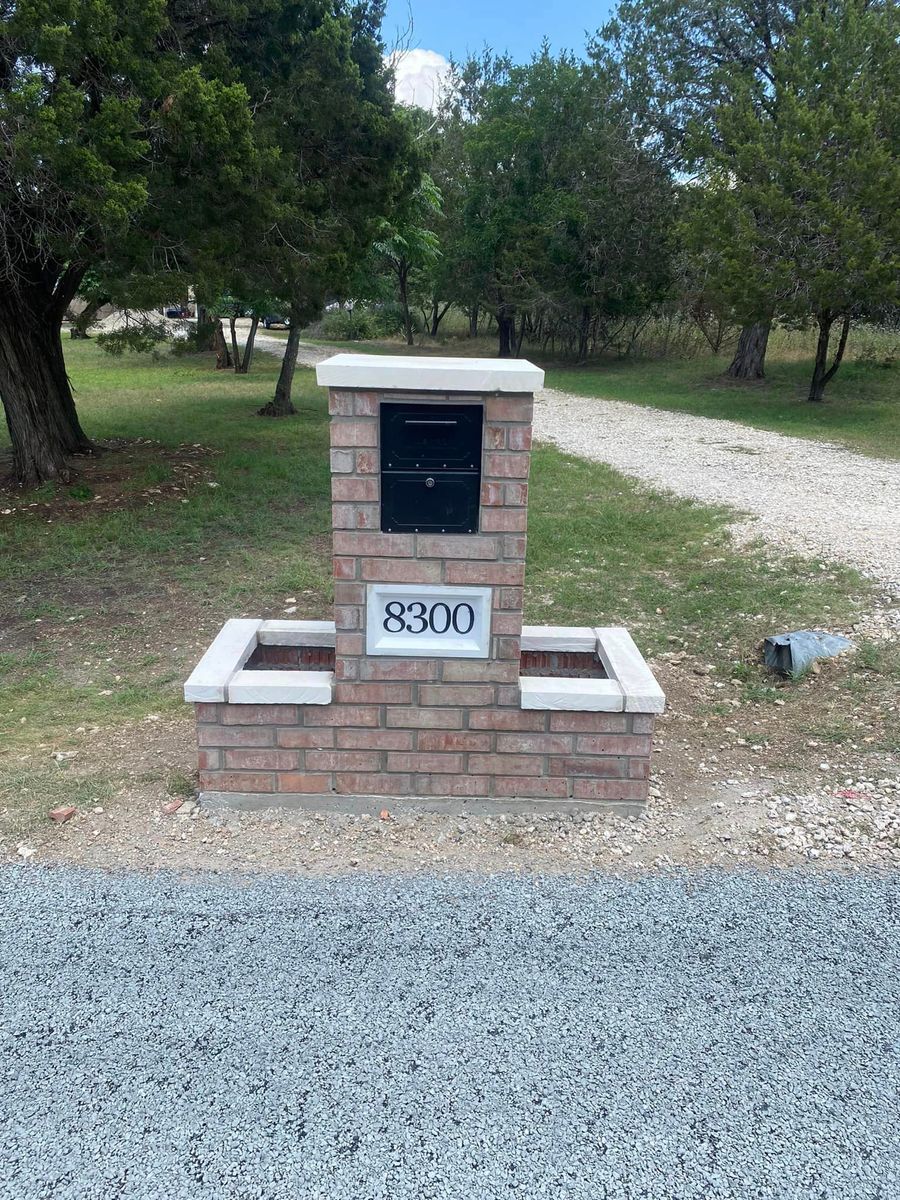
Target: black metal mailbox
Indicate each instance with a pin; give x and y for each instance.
(430, 467)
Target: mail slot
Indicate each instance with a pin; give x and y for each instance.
(430, 467)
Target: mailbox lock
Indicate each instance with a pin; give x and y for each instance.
(429, 482)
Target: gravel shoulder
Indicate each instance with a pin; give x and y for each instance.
(688, 1036)
(795, 493)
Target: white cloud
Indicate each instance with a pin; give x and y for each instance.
(419, 76)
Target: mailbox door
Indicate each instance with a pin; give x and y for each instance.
(445, 502)
(431, 437)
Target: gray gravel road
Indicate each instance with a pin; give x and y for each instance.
(701, 1036)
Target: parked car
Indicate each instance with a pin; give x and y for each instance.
(271, 320)
(177, 310)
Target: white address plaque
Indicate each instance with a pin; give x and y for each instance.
(428, 620)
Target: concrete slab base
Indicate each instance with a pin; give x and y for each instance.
(275, 805)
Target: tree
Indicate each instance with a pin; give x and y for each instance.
(104, 109)
(407, 248)
(336, 156)
(685, 61)
(802, 206)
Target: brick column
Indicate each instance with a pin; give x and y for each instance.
(492, 557)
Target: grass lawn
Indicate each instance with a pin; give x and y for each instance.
(110, 588)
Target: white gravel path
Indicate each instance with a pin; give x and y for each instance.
(801, 495)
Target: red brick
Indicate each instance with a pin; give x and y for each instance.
(354, 433)
(519, 438)
(340, 404)
(453, 785)
(468, 694)
(603, 768)
(260, 714)
(514, 546)
(303, 782)
(373, 693)
(306, 739)
(467, 670)
(506, 466)
(347, 616)
(408, 668)
(207, 712)
(521, 785)
(344, 568)
(608, 789)
(491, 495)
(343, 760)
(534, 743)
(509, 624)
(575, 722)
(509, 649)
(347, 669)
(358, 784)
(481, 573)
(508, 719)
(508, 697)
(424, 718)
(642, 723)
(336, 714)
(236, 781)
(430, 546)
(354, 487)
(494, 437)
(509, 598)
(504, 520)
(367, 462)
(612, 744)
(506, 764)
(367, 404)
(443, 764)
(262, 760)
(349, 644)
(391, 545)
(235, 735)
(355, 516)
(639, 768)
(349, 593)
(375, 739)
(442, 740)
(209, 760)
(398, 570)
(515, 494)
(509, 408)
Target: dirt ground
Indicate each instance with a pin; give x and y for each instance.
(732, 787)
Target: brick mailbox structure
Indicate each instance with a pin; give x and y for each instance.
(426, 689)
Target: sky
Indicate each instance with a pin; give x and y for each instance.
(430, 31)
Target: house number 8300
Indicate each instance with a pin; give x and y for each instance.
(440, 618)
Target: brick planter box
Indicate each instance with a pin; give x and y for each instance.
(425, 689)
(272, 732)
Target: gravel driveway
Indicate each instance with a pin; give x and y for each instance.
(701, 1036)
(798, 494)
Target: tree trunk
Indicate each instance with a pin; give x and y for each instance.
(584, 330)
(473, 321)
(223, 354)
(37, 401)
(281, 405)
(822, 373)
(244, 366)
(403, 277)
(506, 330)
(235, 348)
(437, 315)
(85, 319)
(749, 360)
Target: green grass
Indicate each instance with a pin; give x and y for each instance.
(105, 613)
